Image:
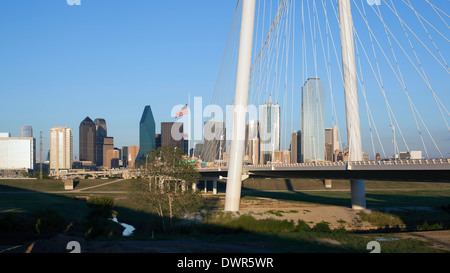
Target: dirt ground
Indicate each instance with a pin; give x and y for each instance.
(311, 214)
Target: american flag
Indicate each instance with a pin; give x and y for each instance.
(182, 112)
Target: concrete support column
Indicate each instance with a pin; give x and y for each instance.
(215, 186)
(327, 183)
(234, 183)
(206, 186)
(194, 186)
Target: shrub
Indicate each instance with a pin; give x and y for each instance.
(48, 221)
(427, 227)
(340, 229)
(101, 209)
(226, 223)
(381, 218)
(101, 206)
(302, 226)
(322, 227)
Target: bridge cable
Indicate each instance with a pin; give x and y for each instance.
(387, 28)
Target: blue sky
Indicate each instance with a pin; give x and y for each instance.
(109, 59)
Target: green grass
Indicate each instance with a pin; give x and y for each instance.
(417, 219)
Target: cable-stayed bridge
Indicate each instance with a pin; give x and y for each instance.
(433, 170)
(311, 64)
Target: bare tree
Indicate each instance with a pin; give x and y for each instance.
(166, 186)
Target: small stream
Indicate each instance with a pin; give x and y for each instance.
(128, 228)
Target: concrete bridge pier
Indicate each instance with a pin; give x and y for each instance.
(327, 183)
(205, 181)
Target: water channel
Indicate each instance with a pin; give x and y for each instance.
(128, 228)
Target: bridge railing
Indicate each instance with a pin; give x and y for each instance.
(432, 161)
(404, 162)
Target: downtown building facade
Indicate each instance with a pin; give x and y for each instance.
(331, 143)
(129, 155)
(253, 142)
(214, 145)
(313, 121)
(296, 149)
(172, 134)
(17, 153)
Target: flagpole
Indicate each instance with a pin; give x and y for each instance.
(189, 129)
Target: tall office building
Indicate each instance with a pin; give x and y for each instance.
(87, 140)
(147, 128)
(108, 145)
(100, 134)
(214, 141)
(331, 143)
(172, 135)
(313, 121)
(269, 131)
(26, 131)
(61, 149)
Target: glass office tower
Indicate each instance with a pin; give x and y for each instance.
(147, 139)
(269, 131)
(313, 121)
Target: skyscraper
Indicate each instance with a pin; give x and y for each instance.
(101, 133)
(88, 137)
(313, 120)
(147, 129)
(60, 149)
(269, 130)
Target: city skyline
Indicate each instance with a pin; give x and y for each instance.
(97, 66)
